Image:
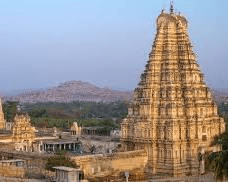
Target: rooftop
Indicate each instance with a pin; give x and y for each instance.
(61, 141)
(12, 160)
(64, 168)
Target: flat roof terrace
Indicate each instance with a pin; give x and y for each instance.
(61, 141)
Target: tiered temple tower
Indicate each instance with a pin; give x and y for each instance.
(173, 114)
(2, 120)
(23, 132)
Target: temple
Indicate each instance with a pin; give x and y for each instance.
(173, 115)
(2, 120)
(23, 134)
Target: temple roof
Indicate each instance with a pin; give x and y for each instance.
(166, 18)
(171, 16)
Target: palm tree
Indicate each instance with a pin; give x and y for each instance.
(218, 160)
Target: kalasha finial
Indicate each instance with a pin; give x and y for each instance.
(171, 7)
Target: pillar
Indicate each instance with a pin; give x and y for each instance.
(38, 146)
(203, 165)
(203, 162)
(64, 146)
(74, 146)
(126, 175)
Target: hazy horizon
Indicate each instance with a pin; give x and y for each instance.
(15, 92)
(106, 43)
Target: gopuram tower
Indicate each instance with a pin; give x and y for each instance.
(173, 115)
(2, 120)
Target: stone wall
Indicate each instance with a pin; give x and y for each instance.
(95, 166)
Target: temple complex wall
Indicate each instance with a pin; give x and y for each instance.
(106, 165)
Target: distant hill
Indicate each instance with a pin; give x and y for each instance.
(12, 93)
(71, 91)
(220, 95)
(83, 91)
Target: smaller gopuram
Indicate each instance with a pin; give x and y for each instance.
(23, 132)
(2, 120)
(75, 129)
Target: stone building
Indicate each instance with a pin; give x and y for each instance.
(12, 168)
(2, 120)
(68, 174)
(61, 144)
(173, 115)
(75, 129)
(23, 134)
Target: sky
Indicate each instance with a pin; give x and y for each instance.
(105, 42)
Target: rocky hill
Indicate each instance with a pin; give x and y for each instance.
(72, 91)
(84, 91)
(220, 95)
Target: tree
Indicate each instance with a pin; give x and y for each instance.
(10, 109)
(221, 140)
(218, 160)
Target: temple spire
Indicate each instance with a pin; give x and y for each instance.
(173, 115)
(2, 120)
(171, 7)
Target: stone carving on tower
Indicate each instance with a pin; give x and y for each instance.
(173, 115)
(23, 134)
(2, 120)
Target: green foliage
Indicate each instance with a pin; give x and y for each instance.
(9, 109)
(218, 161)
(36, 113)
(221, 140)
(223, 110)
(76, 109)
(66, 123)
(48, 122)
(62, 115)
(59, 159)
